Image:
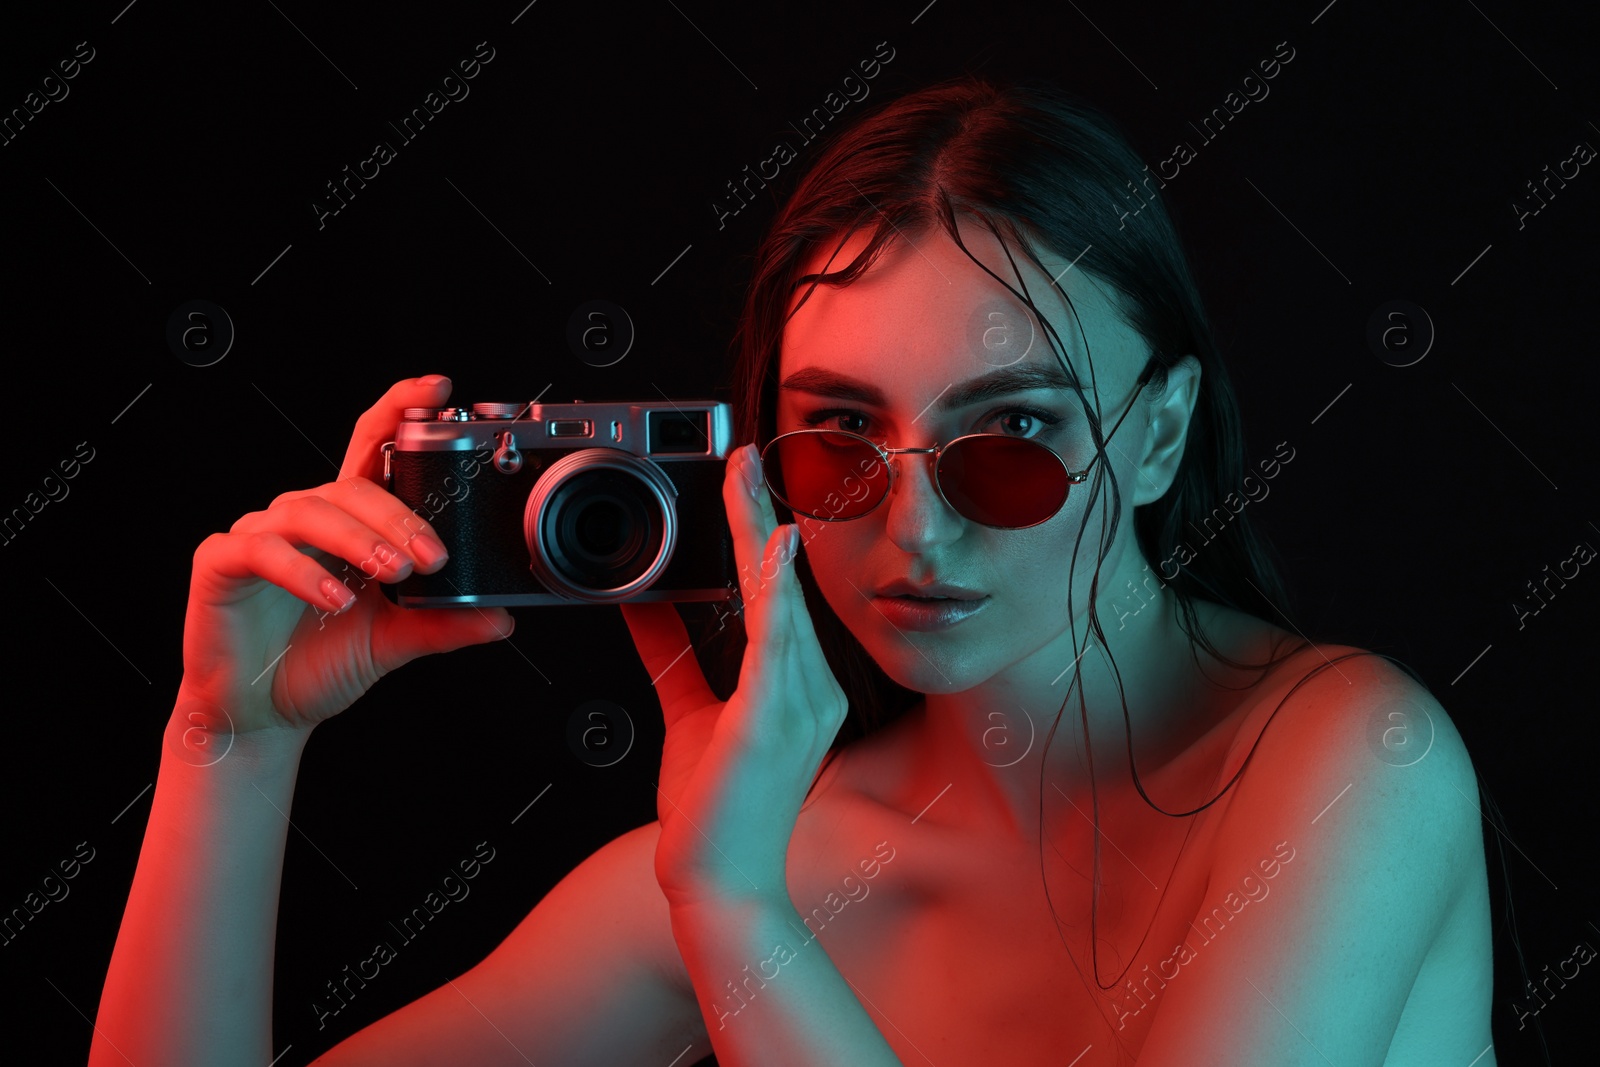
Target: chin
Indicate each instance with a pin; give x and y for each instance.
(926, 671)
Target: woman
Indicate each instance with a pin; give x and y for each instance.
(991, 411)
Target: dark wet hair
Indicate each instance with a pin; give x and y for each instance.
(1044, 172)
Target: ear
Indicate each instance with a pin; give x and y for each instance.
(1168, 431)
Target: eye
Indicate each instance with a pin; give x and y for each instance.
(854, 421)
(1025, 422)
(1022, 421)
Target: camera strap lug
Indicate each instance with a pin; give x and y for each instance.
(388, 451)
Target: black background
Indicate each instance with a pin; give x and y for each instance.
(583, 164)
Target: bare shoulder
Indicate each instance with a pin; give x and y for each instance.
(1350, 698)
(1339, 730)
(1346, 714)
(1362, 712)
(1357, 798)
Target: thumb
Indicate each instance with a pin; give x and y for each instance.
(400, 637)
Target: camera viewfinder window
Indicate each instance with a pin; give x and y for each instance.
(679, 431)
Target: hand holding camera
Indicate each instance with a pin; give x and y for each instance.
(505, 505)
(284, 628)
(734, 774)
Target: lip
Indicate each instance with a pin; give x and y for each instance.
(903, 587)
(907, 614)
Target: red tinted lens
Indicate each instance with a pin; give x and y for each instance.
(1003, 481)
(826, 475)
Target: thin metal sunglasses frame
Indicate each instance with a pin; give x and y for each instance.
(937, 451)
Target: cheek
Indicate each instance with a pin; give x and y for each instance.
(1034, 564)
(1035, 571)
(834, 552)
(1113, 587)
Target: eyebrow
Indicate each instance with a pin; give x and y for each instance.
(1004, 382)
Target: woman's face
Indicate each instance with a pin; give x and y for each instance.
(918, 330)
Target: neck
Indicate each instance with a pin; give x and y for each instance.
(992, 738)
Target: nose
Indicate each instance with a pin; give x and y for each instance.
(918, 517)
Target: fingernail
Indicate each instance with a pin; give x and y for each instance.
(752, 467)
(794, 540)
(428, 551)
(338, 594)
(432, 379)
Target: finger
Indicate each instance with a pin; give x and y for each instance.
(364, 457)
(763, 495)
(311, 521)
(799, 668)
(384, 517)
(398, 637)
(225, 559)
(810, 672)
(799, 615)
(664, 649)
(751, 521)
(768, 613)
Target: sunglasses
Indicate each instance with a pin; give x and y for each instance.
(1009, 483)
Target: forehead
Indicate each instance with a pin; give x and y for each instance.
(926, 314)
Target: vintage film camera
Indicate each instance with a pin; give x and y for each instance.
(545, 504)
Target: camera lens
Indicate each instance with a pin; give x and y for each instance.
(603, 532)
(600, 525)
(601, 529)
